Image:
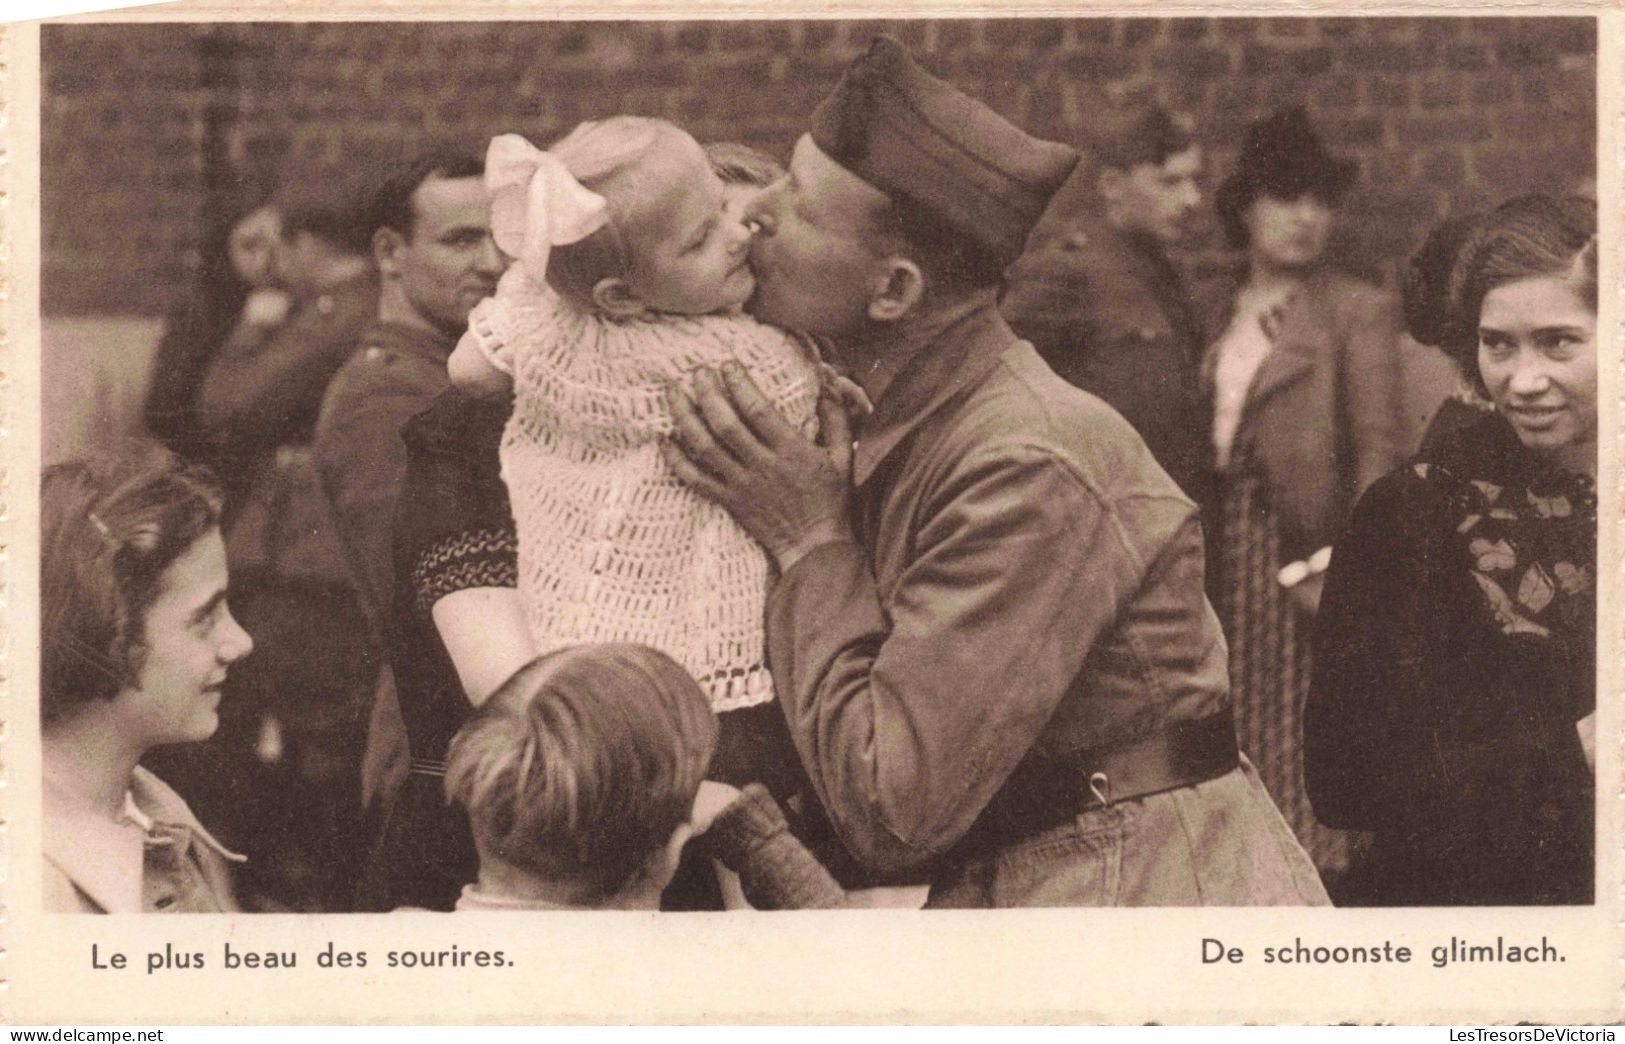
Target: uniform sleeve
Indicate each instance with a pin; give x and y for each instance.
(262, 387)
(909, 715)
(1103, 330)
(362, 462)
(1373, 386)
(752, 839)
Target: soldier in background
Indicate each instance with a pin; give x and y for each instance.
(431, 239)
(279, 778)
(1097, 296)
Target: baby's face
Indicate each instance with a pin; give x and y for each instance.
(692, 260)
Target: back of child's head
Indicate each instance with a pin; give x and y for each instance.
(581, 767)
(636, 163)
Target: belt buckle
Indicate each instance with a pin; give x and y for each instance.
(1100, 788)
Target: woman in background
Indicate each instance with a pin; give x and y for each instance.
(1304, 383)
(137, 642)
(1454, 702)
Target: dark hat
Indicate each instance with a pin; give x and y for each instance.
(1282, 158)
(925, 143)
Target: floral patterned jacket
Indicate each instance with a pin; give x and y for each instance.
(1455, 652)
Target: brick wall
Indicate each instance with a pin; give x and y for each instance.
(144, 126)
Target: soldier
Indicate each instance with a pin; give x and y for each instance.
(1097, 296)
(988, 635)
(431, 239)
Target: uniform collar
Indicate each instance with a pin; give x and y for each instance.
(430, 345)
(955, 359)
(105, 860)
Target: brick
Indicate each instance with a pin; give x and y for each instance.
(1575, 92)
(1575, 36)
(1137, 32)
(1442, 167)
(1099, 64)
(1502, 171)
(1260, 60)
(1189, 30)
(815, 35)
(954, 33)
(1387, 168)
(1466, 56)
(995, 66)
(1359, 131)
(1524, 125)
(1526, 53)
(1339, 92)
(1491, 90)
(1240, 28)
(1379, 57)
(1192, 63)
(572, 42)
(1290, 28)
(911, 33)
(1440, 93)
(1392, 28)
(1040, 34)
(1389, 93)
(1435, 129)
(694, 38)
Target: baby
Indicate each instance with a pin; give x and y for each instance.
(630, 274)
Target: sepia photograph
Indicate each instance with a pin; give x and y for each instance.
(670, 463)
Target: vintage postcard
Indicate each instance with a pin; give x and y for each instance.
(903, 513)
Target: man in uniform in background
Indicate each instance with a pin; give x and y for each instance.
(292, 725)
(431, 239)
(1097, 296)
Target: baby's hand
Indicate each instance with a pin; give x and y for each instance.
(1587, 727)
(471, 371)
(266, 307)
(854, 401)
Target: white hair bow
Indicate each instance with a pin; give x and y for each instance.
(536, 203)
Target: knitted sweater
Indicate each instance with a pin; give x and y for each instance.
(612, 545)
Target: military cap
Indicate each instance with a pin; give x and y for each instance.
(927, 144)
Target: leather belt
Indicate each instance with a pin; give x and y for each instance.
(1046, 792)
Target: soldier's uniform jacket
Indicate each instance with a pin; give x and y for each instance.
(395, 373)
(1024, 580)
(1109, 313)
(257, 406)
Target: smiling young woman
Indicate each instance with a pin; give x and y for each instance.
(1453, 705)
(137, 642)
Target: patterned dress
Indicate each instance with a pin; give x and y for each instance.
(1457, 655)
(1270, 657)
(1269, 636)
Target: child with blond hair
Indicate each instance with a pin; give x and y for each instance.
(630, 274)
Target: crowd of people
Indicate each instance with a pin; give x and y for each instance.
(631, 523)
